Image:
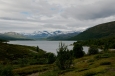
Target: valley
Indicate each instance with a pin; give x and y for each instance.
(21, 60)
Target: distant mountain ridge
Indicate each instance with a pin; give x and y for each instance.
(47, 34)
(98, 31)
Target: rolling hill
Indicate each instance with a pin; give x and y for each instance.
(98, 31)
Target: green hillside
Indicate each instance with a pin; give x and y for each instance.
(102, 64)
(10, 52)
(99, 31)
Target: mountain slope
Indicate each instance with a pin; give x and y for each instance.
(12, 36)
(99, 31)
(63, 36)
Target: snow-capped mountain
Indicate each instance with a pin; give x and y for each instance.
(45, 34)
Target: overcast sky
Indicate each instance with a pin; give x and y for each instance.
(51, 15)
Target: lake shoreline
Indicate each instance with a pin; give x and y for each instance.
(48, 46)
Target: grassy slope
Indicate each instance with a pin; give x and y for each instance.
(102, 64)
(31, 69)
(21, 60)
(12, 52)
(99, 31)
(96, 65)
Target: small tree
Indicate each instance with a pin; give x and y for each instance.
(64, 57)
(93, 50)
(37, 49)
(78, 50)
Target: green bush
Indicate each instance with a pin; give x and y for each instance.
(51, 58)
(6, 71)
(93, 50)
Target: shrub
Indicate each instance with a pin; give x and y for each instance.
(78, 50)
(6, 71)
(93, 50)
(64, 57)
(51, 58)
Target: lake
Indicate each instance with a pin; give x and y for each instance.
(49, 46)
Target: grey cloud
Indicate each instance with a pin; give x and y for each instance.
(55, 26)
(29, 15)
(100, 9)
(7, 18)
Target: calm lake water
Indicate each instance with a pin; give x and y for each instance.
(49, 46)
